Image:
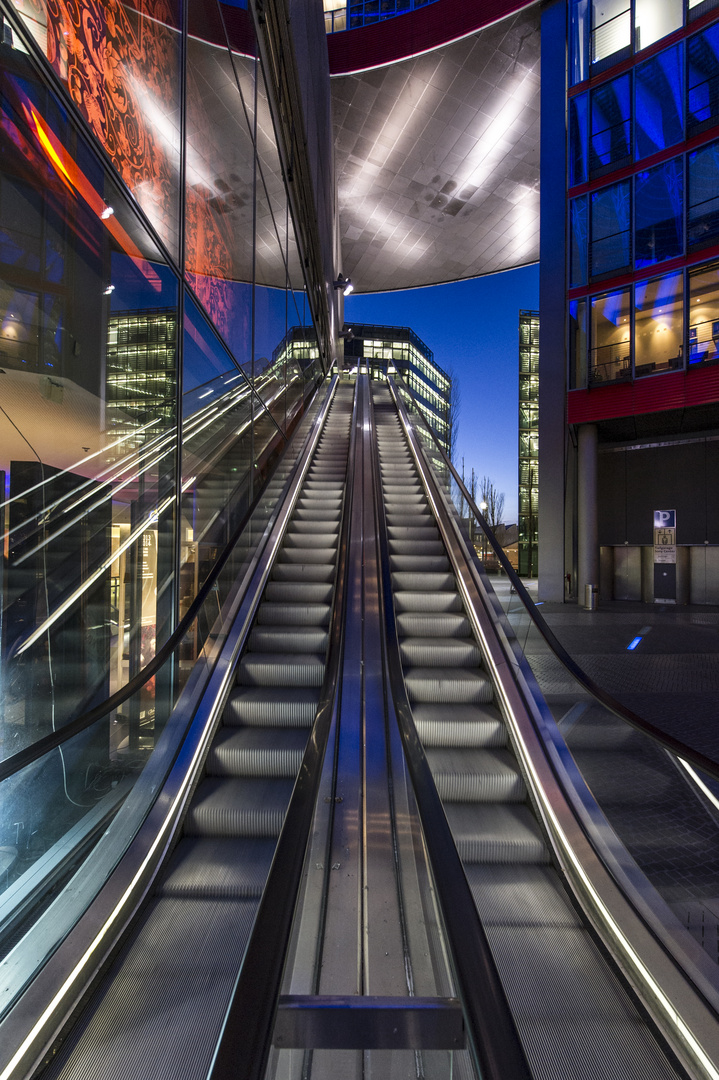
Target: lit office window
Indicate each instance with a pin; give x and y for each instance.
(611, 28)
(654, 20)
(658, 213)
(577, 343)
(578, 230)
(610, 355)
(611, 139)
(703, 196)
(658, 325)
(703, 80)
(703, 314)
(610, 247)
(658, 97)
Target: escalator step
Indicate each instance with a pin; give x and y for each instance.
(440, 625)
(310, 539)
(496, 834)
(286, 639)
(448, 686)
(463, 725)
(465, 775)
(283, 706)
(300, 592)
(419, 563)
(412, 581)
(427, 602)
(230, 807)
(306, 556)
(281, 669)
(440, 652)
(297, 572)
(257, 752)
(424, 548)
(218, 867)
(270, 614)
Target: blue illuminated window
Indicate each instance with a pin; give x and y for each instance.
(658, 98)
(611, 234)
(658, 209)
(703, 197)
(578, 229)
(703, 80)
(611, 143)
(578, 148)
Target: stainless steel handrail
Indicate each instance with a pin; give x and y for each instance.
(669, 742)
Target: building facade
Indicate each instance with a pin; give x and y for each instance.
(635, 322)
(390, 349)
(528, 457)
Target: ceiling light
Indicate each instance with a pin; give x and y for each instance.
(106, 213)
(345, 284)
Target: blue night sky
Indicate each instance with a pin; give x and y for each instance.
(473, 329)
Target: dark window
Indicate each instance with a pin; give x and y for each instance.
(703, 80)
(703, 199)
(658, 94)
(658, 213)
(611, 236)
(611, 125)
(579, 40)
(578, 139)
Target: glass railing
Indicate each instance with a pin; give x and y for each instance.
(60, 796)
(649, 799)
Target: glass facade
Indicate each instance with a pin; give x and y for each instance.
(528, 520)
(641, 204)
(145, 393)
(355, 13)
(393, 349)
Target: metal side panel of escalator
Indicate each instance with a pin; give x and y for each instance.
(159, 1010)
(575, 1016)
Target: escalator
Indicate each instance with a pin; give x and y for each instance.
(370, 621)
(574, 1016)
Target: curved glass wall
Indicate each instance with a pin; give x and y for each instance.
(146, 390)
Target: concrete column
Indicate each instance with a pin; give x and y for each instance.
(587, 520)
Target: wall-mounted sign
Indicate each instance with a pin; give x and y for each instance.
(665, 555)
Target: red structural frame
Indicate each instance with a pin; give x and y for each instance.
(654, 393)
(414, 32)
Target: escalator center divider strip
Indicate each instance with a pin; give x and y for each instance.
(245, 1039)
(493, 1038)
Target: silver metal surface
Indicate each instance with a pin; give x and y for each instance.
(369, 1022)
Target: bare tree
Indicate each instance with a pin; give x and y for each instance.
(494, 500)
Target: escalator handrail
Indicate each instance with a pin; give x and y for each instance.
(494, 1038)
(29, 754)
(245, 1040)
(675, 746)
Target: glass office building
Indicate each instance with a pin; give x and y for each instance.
(527, 523)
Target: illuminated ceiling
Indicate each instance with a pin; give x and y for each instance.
(437, 160)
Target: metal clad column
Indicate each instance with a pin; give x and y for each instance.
(587, 513)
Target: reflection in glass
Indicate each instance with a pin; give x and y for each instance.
(611, 129)
(703, 314)
(577, 343)
(653, 21)
(658, 96)
(579, 236)
(658, 213)
(579, 40)
(578, 148)
(611, 236)
(703, 79)
(610, 354)
(88, 445)
(121, 66)
(658, 325)
(703, 196)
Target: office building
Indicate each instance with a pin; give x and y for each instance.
(527, 546)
